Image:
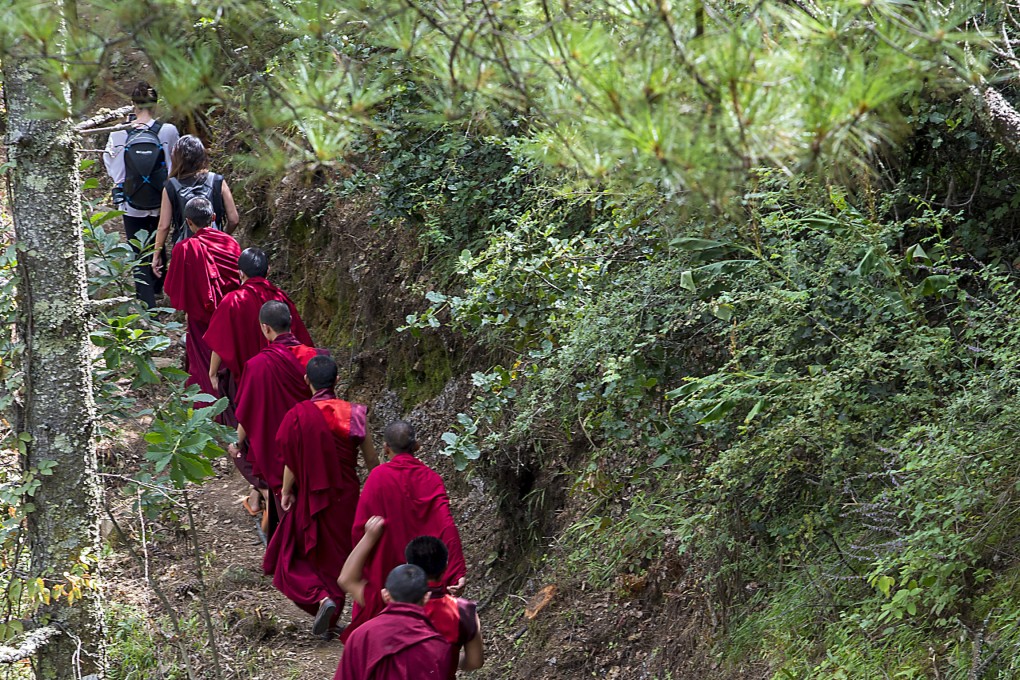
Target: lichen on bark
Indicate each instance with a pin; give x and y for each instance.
(58, 410)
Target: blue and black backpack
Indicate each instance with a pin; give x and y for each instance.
(145, 168)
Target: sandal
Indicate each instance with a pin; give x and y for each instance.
(253, 512)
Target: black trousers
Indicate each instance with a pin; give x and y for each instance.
(147, 286)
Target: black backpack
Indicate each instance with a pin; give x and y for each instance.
(210, 186)
(144, 168)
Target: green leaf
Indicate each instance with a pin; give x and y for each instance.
(723, 267)
(723, 312)
(755, 410)
(217, 408)
(435, 297)
(194, 469)
(871, 261)
(916, 252)
(933, 284)
(99, 218)
(717, 412)
(697, 244)
(687, 281)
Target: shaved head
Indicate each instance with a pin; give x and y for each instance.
(407, 583)
(253, 263)
(321, 372)
(276, 315)
(400, 437)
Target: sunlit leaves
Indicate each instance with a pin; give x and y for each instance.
(183, 438)
(624, 90)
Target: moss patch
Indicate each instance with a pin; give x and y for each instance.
(420, 371)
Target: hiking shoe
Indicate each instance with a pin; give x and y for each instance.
(322, 619)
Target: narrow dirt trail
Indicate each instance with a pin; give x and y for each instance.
(243, 595)
(261, 634)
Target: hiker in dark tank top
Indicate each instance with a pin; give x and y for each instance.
(189, 178)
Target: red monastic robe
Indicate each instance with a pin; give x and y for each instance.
(318, 441)
(399, 644)
(234, 331)
(202, 270)
(455, 619)
(272, 384)
(412, 498)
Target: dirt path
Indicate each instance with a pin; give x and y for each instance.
(262, 635)
(279, 632)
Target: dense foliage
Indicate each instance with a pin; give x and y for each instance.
(792, 366)
(747, 268)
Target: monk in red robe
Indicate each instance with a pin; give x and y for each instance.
(203, 269)
(412, 498)
(455, 618)
(318, 441)
(273, 382)
(400, 643)
(234, 338)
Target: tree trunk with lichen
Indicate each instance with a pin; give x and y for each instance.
(999, 118)
(58, 410)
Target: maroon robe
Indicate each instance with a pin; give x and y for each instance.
(202, 270)
(234, 331)
(318, 441)
(272, 384)
(453, 617)
(412, 498)
(399, 644)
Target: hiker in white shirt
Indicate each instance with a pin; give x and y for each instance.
(138, 219)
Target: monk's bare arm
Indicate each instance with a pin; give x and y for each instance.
(287, 492)
(368, 452)
(235, 449)
(352, 579)
(162, 229)
(214, 369)
(474, 654)
(232, 216)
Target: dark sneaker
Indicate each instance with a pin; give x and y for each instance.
(322, 619)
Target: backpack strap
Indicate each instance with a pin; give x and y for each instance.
(156, 127)
(217, 201)
(173, 189)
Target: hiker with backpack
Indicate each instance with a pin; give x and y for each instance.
(190, 178)
(138, 160)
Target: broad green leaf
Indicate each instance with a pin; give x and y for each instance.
(687, 281)
(933, 284)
